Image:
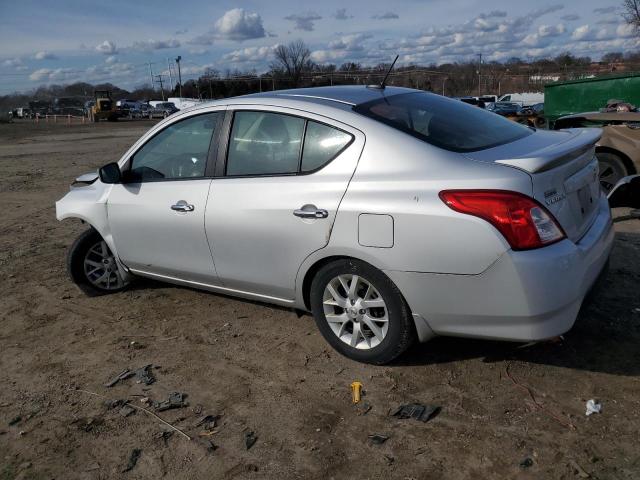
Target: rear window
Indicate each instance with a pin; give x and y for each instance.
(445, 123)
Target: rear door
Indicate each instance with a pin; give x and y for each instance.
(274, 203)
(157, 215)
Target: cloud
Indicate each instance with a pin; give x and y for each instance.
(341, 14)
(570, 17)
(603, 10)
(111, 59)
(385, 16)
(107, 48)
(304, 21)
(182, 31)
(493, 14)
(150, 45)
(249, 54)
(44, 55)
(353, 42)
(239, 25)
(16, 63)
(58, 74)
(551, 30)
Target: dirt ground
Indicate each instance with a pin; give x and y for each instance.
(507, 412)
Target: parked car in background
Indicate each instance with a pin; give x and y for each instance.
(391, 214)
(524, 99)
(162, 110)
(504, 108)
(618, 150)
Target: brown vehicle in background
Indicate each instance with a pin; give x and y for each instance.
(618, 150)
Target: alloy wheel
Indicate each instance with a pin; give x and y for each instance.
(355, 311)
(101, 268)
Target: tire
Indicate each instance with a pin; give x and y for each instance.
(379, 348)
(81, 252)
(612, 169)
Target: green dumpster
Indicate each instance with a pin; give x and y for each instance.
(589, 94)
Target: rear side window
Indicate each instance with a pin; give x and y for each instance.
(445, 123)
(267, 143)
(321, 144)
(264, 143)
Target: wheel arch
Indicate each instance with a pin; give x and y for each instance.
(628, 163)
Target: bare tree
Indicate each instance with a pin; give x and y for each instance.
(292, 60)
(632, 13)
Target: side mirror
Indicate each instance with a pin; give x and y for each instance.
(626, 193)
(110, 173)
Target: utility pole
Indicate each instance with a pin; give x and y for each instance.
(479, 64)
(161, 88)
(151, 76)
(170, 76)
(178, 58)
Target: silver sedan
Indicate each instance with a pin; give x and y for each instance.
(391, 214)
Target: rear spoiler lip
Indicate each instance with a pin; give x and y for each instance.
(547, 158)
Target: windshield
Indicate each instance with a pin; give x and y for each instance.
(445, 123)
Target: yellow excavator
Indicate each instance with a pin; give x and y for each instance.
(103, 107)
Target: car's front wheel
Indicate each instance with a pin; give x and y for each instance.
(360, 312)
(93, 267)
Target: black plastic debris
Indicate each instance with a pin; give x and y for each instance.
(526, 463)
(377, 439)
(175, 400)
(123, 375)
(208, 422)
(142, 374)
(127, 410)
(133, 459)
(250, 439)
(165, 435)
(14, 420)
(420, 412)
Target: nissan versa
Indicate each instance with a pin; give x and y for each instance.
(389, 213)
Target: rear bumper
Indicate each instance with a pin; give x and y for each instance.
(523, 296)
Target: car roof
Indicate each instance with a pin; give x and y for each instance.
(345, 94)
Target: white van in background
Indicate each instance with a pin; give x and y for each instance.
(525, 99)
(181, 103)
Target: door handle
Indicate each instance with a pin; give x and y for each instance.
(182, 206)
(310, 211)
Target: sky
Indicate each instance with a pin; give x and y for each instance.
(63, 41)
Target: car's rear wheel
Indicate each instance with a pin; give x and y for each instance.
(360, 312)
(93, 267)
(612, 169)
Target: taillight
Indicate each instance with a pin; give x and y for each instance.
(520, 219)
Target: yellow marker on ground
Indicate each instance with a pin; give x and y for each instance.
(356, 389)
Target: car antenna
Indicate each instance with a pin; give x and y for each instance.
(384, 80)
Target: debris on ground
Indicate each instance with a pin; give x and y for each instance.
(578, 470)
(175, 400)
(389, 459)
(136, 345)
(377, 439)
(420, 412)
(15, 420)
(127, 410)
(164, 435)
(142, 374)
(250, 439)
(123, 375)
(356, 391)
(208, 423)
(593, 407)
(363, 408)
(133, 459)
(526, 463)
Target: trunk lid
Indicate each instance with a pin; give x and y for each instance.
(563, 170)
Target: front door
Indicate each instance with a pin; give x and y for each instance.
(157, 215)
(275, 205)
